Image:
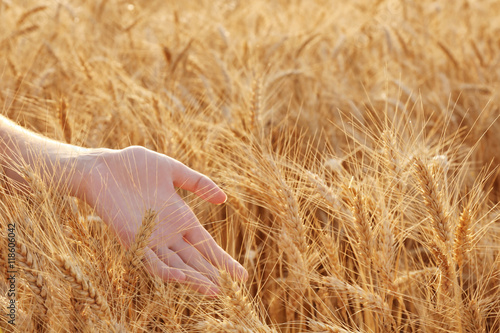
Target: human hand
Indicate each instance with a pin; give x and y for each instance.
(123, 184)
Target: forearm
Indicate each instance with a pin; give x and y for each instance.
(59, 164)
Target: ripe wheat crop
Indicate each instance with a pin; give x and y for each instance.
(357, 141)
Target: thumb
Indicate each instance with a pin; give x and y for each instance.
(193, 181)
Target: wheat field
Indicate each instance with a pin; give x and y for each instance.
(357, 141)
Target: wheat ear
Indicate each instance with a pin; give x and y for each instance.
(475, 317)
(323, 189)
(134, 256)
(433, 202)
(239, 308)
(462, 244)
(256, 105)
(293, 221)
(421, 276)
(332, 255)
(136, 251)
(384, 258)
(448, 275)
(235, 299)
(23, 322)
(84, 293)
(31, 273)
(372, 301)
(362, 225)
(212, 325)
(296, 280)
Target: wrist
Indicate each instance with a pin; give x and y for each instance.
(81, 171)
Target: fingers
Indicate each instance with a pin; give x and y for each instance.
(195, 182)
(199, 238)
(193, 278)
(157, 267)
(206, 245)
(189, 254)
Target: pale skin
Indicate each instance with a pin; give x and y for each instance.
(121, 185)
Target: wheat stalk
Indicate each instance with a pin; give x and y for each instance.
(29, 13)
(64, 121)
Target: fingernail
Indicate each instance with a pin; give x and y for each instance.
(223, 202)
